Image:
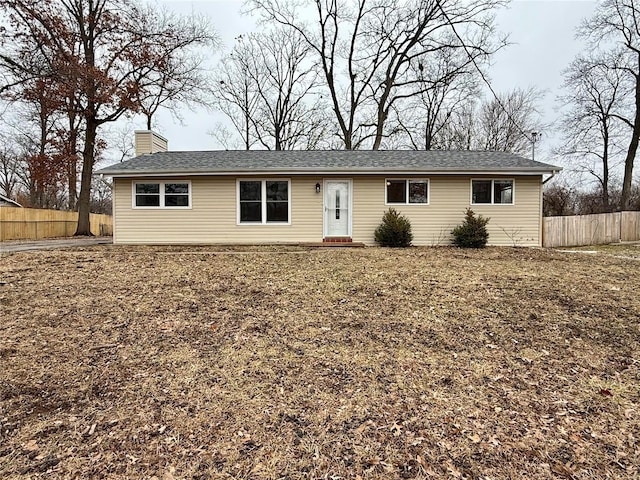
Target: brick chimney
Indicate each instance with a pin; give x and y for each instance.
(148, 141)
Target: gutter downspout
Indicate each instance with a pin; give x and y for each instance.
(553, 174)
(541, 231)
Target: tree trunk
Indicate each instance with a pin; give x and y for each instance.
(72, 167)
(631, 152)
(72, 180)
(348, 142)
(71, 151)
(277, 139)
(40, 174)
(628, 165)
(84, 227)
(382, 115)
(428, 137)
(605, 192)
(379, 132)
(247, 117)
(605, 170)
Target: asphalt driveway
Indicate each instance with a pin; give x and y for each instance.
(52, 243)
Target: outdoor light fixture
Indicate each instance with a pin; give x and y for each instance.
(317, 188)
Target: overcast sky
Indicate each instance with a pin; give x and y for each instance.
(543, 44)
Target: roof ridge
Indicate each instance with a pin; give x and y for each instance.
(327, 162)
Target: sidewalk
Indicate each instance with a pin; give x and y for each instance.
(51, 243)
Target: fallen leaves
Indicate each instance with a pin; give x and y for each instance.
(475, 438)
(564, 470)
(367, 363)
(31, 446)
(89, 430)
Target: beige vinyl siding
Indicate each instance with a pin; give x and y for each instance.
(213, 215)
(149, 142)
(449, 197)
(144, 143)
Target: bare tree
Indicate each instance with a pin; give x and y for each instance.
(120, 142)
(460, 132)
(559, 199)
(11, 165)
(505, 122)
(595, 93)
(285, 81)
(467, 122)
(617, 22)
(178, 79)
(225, 137)
(101, 195)
(448, 83)
(236, 96)
(566, 199)
(266, 89)
(366, 51)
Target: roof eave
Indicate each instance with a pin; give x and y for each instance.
(346, 171)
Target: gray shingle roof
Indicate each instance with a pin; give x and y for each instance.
(326, 161)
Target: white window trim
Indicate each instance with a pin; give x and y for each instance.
(407, 180)
(263, 201)
(162, 184)
(513, 192)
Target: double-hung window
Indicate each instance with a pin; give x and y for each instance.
(492, 192)
(162, 194)
(407, 191)
(264, 201)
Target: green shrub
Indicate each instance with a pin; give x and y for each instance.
(472, 233)
(394, 231)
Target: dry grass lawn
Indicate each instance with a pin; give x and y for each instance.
(292, 363)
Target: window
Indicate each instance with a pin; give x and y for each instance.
(503, 191)
(162, 195)
(277, 201)
(408, 191)
(147, 195)
(263, 201)
(251, 202)
(492, 192)
(176, 194)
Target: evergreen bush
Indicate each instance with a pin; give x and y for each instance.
(472, 232)
(394, 231)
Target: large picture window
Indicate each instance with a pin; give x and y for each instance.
(162, 194)
(407, 191)
(263, 201)
(492, 192)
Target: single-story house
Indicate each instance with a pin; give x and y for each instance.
(7, 202)
(256, 196)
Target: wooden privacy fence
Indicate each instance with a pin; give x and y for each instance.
(597, 229)
(34, 223)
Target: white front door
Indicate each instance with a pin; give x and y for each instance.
(337, 210)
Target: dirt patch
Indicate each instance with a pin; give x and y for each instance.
(133, 362)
